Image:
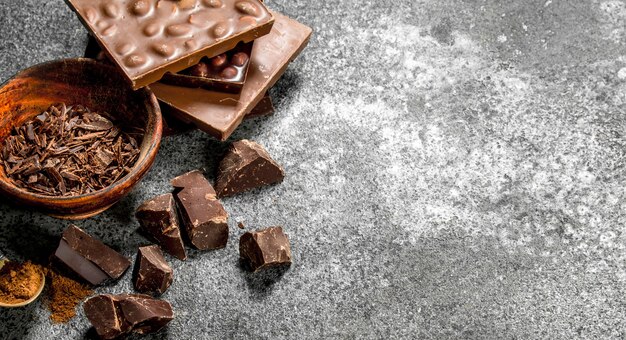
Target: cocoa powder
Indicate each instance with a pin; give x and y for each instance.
(19, 282)
(63, 295)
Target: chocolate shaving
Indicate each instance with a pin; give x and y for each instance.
(69, 151)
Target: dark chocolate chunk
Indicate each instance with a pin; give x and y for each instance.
(246, 166)
(265, 248)
(146, 314)
(90, 258)
(203, 215)
(192, 179)
(152, 273)
(159, 219)
(115, 315)
(102, 311)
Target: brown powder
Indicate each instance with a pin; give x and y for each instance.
(19, 282)
(64, 294)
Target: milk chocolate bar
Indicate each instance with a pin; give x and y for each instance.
(90, 258)
(265, 248)
(247, 165)
(225, 73)
(173, 126)
(219, 113)
(113, 316)
(152, 273)
(148, 38)
(203, 215)
(158, 218)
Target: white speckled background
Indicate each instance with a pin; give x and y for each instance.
(455, 169)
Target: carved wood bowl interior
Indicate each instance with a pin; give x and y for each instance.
(98, 87)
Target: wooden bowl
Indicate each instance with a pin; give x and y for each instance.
(99, 87)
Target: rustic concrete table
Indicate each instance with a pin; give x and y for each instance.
(455, 169)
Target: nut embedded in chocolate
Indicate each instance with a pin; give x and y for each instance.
(229, 72)
(239, 59)
(246, 166)
(265, 248)
(219, 61)
(115, 315)
(152, 273)
(199, 70)
(203, 215)
(159, 219)
(90, 258)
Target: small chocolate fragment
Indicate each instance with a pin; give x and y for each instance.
(152, 273)
(90, 258)
(246, 166)
(265, 248)
(203, 215)
(115, 315)
(159, 219)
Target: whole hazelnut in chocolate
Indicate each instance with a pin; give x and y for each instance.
(239, 59)
(229, 73)
(219, 61)
(199, 70)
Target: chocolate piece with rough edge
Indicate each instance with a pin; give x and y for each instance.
(145, 314)
(104, 314)
(265, 248)
(113, 316)
(219, 113)
(158, 218)
(152, 273)
(246, 166)
(90, 258)
(147, 38)
(204, 217)
(192, 179)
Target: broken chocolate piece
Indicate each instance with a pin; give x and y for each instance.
(152, 273)
(115, 315)
(203, 215)
(192, 179)
(246, 166)
(105, 317)
(265, 248)
(90, 258)
(159, 219)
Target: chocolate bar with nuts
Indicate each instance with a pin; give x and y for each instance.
(148, 38)
(219, 113)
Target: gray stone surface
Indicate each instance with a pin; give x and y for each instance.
(455, 169)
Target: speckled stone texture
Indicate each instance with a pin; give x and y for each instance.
(455, 169)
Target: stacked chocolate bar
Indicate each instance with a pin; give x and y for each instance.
(209, 62)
